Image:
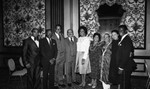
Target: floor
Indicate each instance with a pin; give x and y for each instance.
(137, 82)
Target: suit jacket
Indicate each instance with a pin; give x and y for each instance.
(47, 51)
(60, 47)
(30, 52)
(123, 56)
(70, 53)
(70, 49)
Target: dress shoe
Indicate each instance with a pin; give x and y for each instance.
(69, 84)
(94, 85)
(80, 84)
(55, 87)
(77, 83)
(55, 84)
(90, 84)
(84, 83)
(62, 85)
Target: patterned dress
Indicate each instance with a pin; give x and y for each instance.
(95, 55)
(105, 65)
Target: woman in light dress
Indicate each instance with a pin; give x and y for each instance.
(82, 65)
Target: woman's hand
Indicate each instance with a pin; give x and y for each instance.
(52, 61)
(83, 61)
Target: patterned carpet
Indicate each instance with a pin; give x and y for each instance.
(74, 86)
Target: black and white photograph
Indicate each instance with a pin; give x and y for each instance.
(74, 44)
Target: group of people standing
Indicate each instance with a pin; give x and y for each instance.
(107, 58)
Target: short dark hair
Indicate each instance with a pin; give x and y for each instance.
(97, 34)
(71, 30)
(124, 27)
(57, 25)
(48, 30)
(106, 33)
(84, 28)
(34, 30)
(116, 31)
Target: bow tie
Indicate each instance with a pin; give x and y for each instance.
(35, 38)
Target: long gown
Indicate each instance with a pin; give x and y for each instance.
(113, 71)
(95, 55)
(105, 65)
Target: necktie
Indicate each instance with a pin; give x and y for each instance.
(49, 41)
(59, 37)
(71, 39)
(35, 38)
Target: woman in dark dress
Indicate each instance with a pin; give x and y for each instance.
(113, 71)
(95, 53)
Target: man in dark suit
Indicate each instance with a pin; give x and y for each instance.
(31, 59)
(124, 57)
(70, 56)
(48, 54)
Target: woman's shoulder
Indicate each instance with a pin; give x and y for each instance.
(101, 43)
(88, 38)
(83, 38)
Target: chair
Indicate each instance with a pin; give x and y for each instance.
(147, 65)
(16, 73)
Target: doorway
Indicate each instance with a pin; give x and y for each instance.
(109, 17)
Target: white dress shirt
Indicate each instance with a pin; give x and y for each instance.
(122, 38)
(48, 39)
(71, 38)
(57, 35)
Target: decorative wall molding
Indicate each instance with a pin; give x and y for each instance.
(134, 18)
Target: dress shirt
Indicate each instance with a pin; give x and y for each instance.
(48, 39)
(71, 39)
(122, 38)
(57, 35)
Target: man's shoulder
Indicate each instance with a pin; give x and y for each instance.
(27, 39)
(54, 36)
(127, 38)
(66, 39)
(75, 37)
(53, 40)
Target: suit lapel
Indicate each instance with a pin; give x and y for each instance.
(55, 37)
(33, 42)
(68, 41)
(122, 42)
(49, 44)
(75, 40)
